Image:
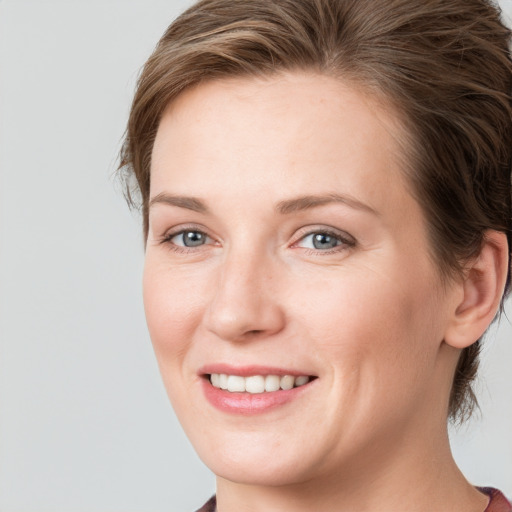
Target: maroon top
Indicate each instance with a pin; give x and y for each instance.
(497, 503)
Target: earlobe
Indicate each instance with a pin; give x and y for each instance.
(482, 290)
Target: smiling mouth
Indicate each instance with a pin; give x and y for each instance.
(257, 383)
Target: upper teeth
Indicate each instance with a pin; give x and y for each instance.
(256, 383)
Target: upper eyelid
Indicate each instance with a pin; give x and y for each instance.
(311, 230)
(181, 228)
(172, 232)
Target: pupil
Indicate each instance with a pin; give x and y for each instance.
(193, 238)
(323, 241)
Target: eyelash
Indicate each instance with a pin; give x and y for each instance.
(166, 239)
(346, 242)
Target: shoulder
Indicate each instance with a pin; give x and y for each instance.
(211, 505)
(497, 503)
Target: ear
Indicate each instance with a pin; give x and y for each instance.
(482, 289)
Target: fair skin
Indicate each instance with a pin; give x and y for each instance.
(284, 241)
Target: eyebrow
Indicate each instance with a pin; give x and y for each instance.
(190, 203)
(307, 202)
(284, 207)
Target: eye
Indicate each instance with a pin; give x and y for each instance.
(320, 241)
(184, 240)
(325, 241)
(189, 238)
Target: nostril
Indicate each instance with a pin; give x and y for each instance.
(240, 314)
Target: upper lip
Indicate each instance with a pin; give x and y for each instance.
(249, 370)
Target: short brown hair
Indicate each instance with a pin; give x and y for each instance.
(443, 64)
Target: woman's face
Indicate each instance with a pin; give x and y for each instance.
(284, 246)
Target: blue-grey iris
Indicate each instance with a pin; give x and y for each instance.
(193, 238)
(324, 241)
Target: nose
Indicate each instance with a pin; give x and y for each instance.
(244, 304)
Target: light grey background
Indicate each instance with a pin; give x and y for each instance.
(84, 420)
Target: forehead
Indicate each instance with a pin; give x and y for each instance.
(302, 129)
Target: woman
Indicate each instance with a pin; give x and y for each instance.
(325, 188)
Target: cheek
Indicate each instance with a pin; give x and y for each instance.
(359, 301)
(383, 326)
(173, 307)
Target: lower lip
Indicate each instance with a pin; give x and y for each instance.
(249, 403)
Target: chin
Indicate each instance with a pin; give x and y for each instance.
(268, 473)
(255, 462)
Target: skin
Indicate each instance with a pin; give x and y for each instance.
(369, 317)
